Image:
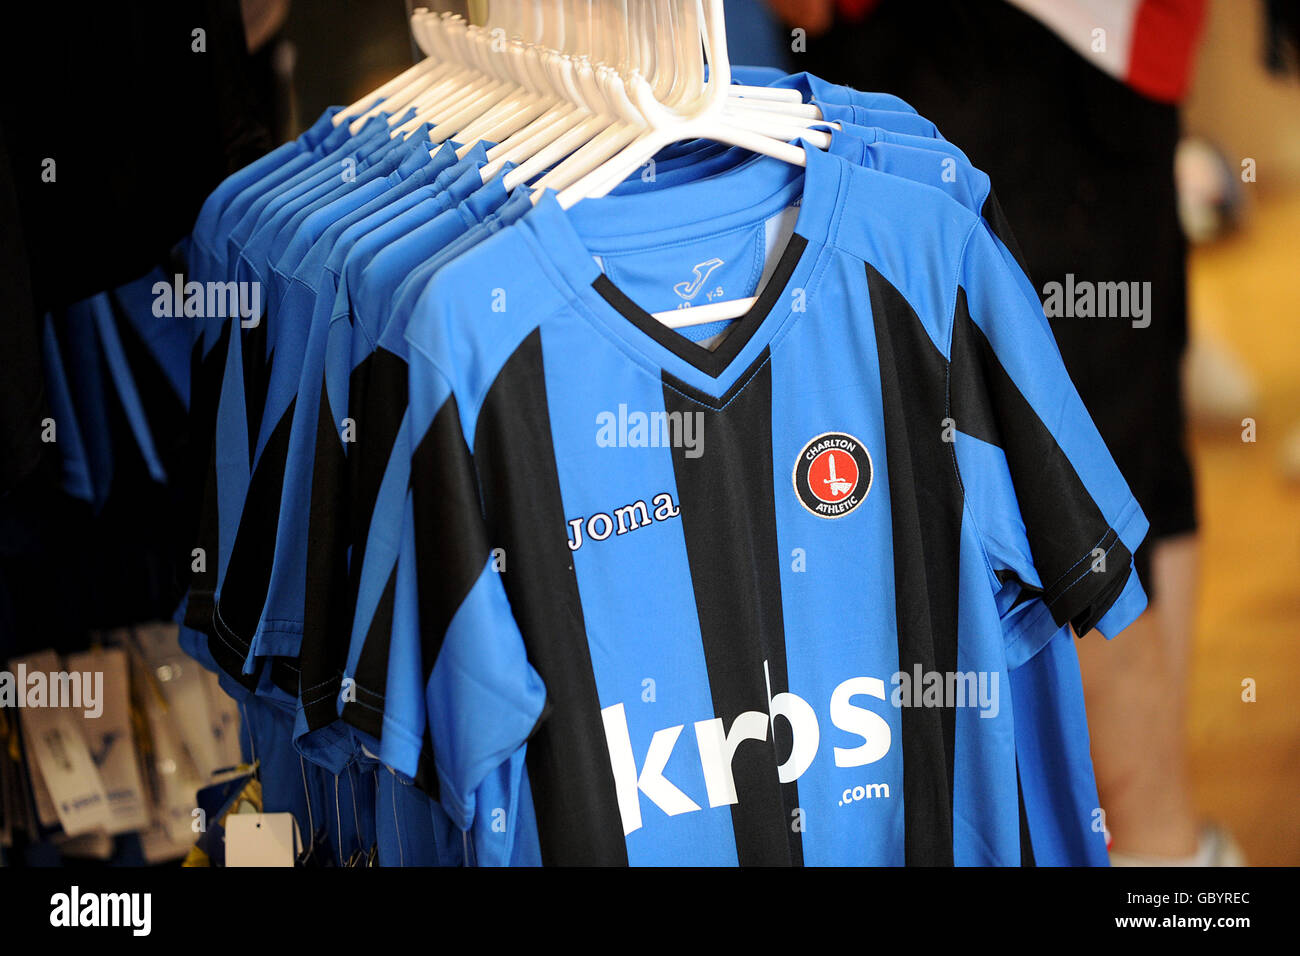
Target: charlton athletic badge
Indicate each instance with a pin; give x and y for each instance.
(832, 475)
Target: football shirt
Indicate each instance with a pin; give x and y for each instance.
(813, 550)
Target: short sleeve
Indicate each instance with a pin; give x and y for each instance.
(483, 699)
(1056, 517)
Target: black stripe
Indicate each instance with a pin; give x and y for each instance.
(225, 647)
(229, 654)
(925, 502)
(248, 571)
(371, 678)
(568, 760)
(376, 404)
(1026, 844)
(1084, 606)
(714, 362)
(1062, 521)
(729, 523)
(997, 219)
(379, 398)
(327, 617)
(257, 370)
(447, 509)
(285, 674)
(204, 397)
(377, 390)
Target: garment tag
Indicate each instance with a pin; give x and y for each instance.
(173, 779)
(46, 815)
(110, 739)
(75, 788)
(182, 684)
(261, 839)
(54, 708)
(223, 719)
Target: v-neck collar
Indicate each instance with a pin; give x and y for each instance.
(568, 242)
(712, 363)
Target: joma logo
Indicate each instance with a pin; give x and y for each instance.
(627, 518)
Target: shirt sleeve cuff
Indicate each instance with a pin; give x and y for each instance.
(1131, 602)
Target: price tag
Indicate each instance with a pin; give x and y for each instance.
(261, 839)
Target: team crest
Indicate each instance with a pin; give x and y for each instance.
(832, 475)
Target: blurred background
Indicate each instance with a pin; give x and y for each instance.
(1246, 757)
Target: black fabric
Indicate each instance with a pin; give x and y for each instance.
(22, 387)
(568, 763)
(441, 461)
(1063, 524)
(201, 484)
(445, 508)
(1282, 36)
(66, 569)
(286, 674)
(1026, 843)
(365, 709)
(925, 501)
(248, 569)
(169, 427)
(326, 623)
(377, 398)
(992, 213)
(711, 362)
(256, 364)
(140, 126)
(729, 524)
(1087, 168)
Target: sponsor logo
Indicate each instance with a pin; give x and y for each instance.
(865, 730)
(832, 475)
(630, 517)
(856, 711)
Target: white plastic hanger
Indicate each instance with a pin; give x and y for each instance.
(431, 34)
(592, 85)
(517, 43)
(707, 122)
(628, 121)
(597, 86)
(665, 126)
(553, 70)
(583, 125)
